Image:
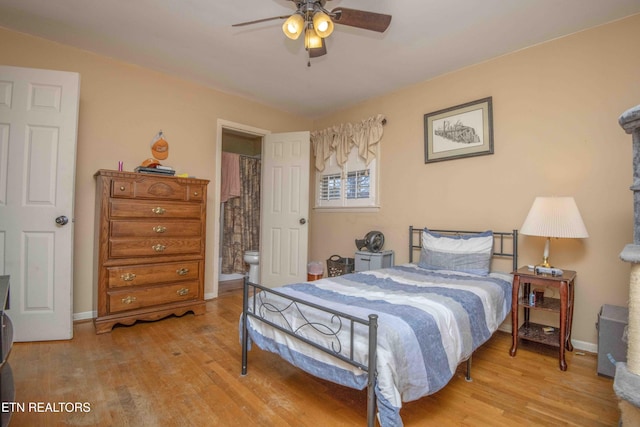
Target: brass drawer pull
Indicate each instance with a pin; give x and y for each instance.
(159, 229)
(182, 271)
(195, 194)
(122, 188)
(128, 300)
(158, 210)
(158, 247)
(182, 292)
(128, 277)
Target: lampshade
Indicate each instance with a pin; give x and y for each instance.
(293, 26)
(554, 217)
(322, 24)
(311, 39)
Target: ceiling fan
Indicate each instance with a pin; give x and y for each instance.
(317, 22)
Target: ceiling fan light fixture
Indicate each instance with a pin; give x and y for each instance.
(318, 23)
(311, 39)
(293, 26)
(323, 24)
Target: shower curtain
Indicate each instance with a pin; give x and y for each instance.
(241, 227)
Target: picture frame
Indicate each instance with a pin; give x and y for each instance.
(457, 132)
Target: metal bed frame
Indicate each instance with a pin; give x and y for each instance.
(261, 305)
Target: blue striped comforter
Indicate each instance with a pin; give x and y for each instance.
(428, 322)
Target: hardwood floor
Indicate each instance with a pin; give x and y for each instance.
(185, 371)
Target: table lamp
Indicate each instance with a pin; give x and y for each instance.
(554, 217)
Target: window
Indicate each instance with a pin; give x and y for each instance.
(358, 184)
(330, 187)
(354, 185)
(354, 182)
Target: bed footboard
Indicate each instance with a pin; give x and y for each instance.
(257, 304)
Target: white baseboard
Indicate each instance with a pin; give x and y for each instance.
(87, 315)
(585, 346)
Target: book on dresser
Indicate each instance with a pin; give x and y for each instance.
(149, 247)
(160, 170)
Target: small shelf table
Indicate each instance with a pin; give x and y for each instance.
(529, 331)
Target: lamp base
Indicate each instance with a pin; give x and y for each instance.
(544, 263)
(545, 255)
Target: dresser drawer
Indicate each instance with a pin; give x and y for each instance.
(142, 275)
(196, 192)
(122, 188)
(120, 248)
(146, 297)
(159, 228)
(144, 187)
(149, 209)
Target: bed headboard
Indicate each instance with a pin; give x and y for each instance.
(505, 242)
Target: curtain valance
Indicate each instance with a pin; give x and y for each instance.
(341, 138)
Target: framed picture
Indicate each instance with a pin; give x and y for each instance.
(462, 131)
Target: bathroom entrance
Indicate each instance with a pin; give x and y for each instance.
(239, 225)
(284, 207)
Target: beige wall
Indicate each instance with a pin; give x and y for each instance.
(555, 107)
(555, 129)
(122, 106)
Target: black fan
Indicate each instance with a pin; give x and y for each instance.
(373, 241)
(317, 22)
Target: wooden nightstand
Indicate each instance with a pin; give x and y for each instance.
(564, 306)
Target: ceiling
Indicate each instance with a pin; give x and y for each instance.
(194, 39)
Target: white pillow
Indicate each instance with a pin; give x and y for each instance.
(468, 253)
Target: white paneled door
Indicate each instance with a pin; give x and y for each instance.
(284, 208)
(38, 128)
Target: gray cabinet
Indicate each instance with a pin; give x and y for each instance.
(365, 260)
(612, 322)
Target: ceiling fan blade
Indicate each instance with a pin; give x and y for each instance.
(361, 19)
(315, 52)
(257, 21)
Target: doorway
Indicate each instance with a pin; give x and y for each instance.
(240, 204)
(284, 206)
(237, 224)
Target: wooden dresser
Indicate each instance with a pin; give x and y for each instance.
(149, 247)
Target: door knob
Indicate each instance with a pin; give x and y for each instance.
(303, 221)
(62, 220)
